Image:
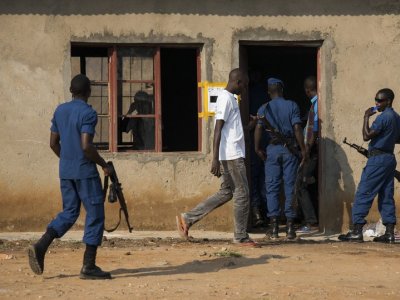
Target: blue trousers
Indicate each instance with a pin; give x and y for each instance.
(74, 192)
(377, 179)
(281, 165)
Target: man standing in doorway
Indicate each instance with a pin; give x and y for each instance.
(378, 175)
(72, 131)
(280, 162)
(228, 151)
(311, 143)
(258, 202)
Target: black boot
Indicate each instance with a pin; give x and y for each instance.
(290, 231)
(274, 228)
(257, 217)
(37, 251)
(355, 235)
(388, 237)
(89, 269)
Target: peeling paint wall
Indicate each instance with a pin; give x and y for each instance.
(359, 55)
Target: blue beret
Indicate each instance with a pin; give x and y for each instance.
(275, 81)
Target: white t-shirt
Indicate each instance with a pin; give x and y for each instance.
(232, 138)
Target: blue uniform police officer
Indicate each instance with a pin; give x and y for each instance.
(378, 175)
(280, 162)
(72, 131)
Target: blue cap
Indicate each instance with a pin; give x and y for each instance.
(275, 81)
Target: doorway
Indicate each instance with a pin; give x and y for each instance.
(290, 62)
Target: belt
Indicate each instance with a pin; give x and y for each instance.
(289, 140)
(375, 152)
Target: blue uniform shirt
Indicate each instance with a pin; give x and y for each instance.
(282, 114)
(387, 124)
(314, 102)
(70, 120)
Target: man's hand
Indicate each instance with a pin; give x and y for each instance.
(215, 168)
(368, 133)
(261, 154)
(369, 112)
(305, 156)
(108, 170)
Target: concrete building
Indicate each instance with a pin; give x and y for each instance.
(162, 49)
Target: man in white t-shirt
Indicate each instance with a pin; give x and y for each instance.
(228, 151)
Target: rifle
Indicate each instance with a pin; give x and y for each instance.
(364, 152)
(114, 194)
(277, 135)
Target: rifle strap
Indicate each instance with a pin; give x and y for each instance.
(116, 226)
(277, 129)
(267, 107)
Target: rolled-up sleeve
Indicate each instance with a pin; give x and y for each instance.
(295, 118)
(261, 113)
(378, 124)
(54, 127)
(89, 122)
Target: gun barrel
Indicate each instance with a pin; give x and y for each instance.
(346, 142)
(355, 146)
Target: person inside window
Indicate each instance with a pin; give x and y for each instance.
(142, 127)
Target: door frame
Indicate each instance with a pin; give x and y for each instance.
(244, 106)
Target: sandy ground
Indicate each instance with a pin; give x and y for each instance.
(168, 268)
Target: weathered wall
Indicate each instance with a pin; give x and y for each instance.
(359, 55)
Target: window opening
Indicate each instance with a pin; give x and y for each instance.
(179, 99)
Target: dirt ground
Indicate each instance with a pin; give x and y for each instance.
(207, 269)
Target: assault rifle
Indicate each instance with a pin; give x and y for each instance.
(278, 136)
(114, 194)
(364, 152)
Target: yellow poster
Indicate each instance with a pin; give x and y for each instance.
(210, 91)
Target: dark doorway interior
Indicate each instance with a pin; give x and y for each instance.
(291, 64)
(179, 99)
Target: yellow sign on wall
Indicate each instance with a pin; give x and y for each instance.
(211, 91)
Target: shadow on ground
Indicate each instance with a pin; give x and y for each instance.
(196, 266)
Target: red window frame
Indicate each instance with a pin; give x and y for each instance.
(113, 96)
(113, 100)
